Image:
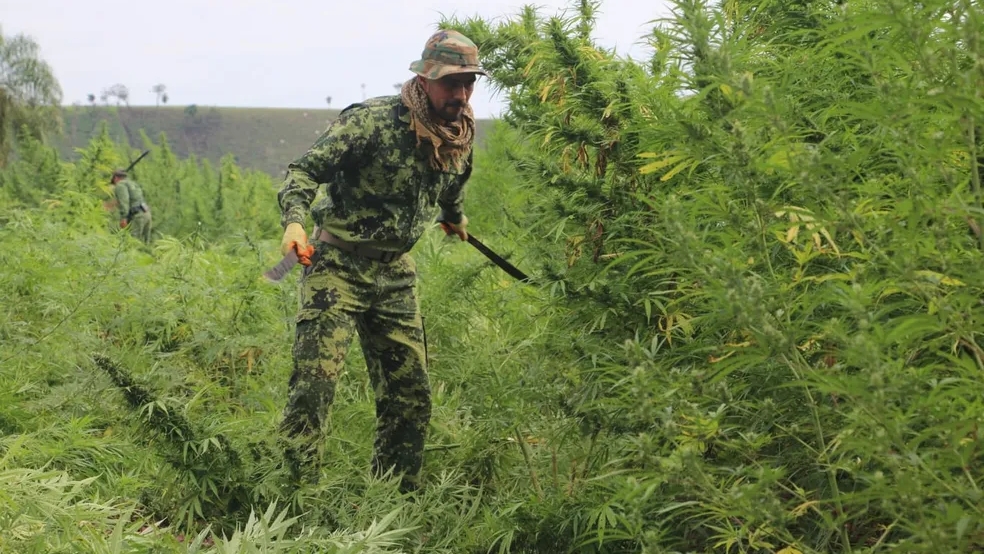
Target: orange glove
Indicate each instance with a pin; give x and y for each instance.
(459, 229)
(304, 254)
(296, 239)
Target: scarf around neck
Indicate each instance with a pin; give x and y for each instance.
(451, 143)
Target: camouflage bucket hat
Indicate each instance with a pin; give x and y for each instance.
(446, 53)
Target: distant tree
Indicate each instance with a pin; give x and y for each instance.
(328, 100)
(29, 93)
(159, 90)
(92, 109)
(121, 94)
(398, 86)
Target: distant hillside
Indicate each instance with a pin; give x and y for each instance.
(266, 139)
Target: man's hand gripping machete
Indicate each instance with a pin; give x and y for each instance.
(296, 254)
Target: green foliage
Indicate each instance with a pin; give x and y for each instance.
(191, 197)
(29, 94)
(778, 216)
(36, 174)
(755, 324)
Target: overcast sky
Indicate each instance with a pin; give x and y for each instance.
(267, 53)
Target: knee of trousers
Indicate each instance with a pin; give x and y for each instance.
(319, 349)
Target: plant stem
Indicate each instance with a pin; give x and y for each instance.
(976, 169)
(818, 428)
(525, 448)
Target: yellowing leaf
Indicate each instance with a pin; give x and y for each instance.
(794, 213)
(675, 170)
(939, 278)
(890, 290)
(830, 239)
(797, 512)
(789, 550)
(779, 160)
(784, 158)
(547, 137)
(529, 66)
(728, 93)
(653, 166)
(716, 359)
(792, 233)
(743, 344)
(828, 277)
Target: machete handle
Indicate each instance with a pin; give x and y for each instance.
(447, 229)
(303, 254)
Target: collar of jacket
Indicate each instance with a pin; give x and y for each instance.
(403, 113)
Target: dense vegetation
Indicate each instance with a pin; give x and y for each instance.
(755, 322)
(29, 93)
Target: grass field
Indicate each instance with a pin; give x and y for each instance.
(265, 139)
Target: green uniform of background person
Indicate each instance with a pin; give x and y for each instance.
(133, 209)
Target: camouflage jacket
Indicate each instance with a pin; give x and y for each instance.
(129, 197)
(381, 191)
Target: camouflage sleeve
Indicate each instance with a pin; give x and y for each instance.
(122, 199)
(452, 198)
(345, 142)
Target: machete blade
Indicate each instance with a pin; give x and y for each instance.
(495, 258)
(278, 272)
(498, 260)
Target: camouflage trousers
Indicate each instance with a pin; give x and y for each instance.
(342, 294)
(140, 226)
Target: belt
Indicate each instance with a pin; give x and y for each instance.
(141, 208)
(385, 256)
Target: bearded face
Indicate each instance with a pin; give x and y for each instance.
(449, 95)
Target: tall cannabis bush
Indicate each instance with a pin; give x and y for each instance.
(765, 244)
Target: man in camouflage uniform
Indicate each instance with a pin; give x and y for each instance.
(389, 165)
(134, 211)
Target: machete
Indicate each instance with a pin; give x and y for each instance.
(279, 271)
(127, 170)
(496, 259)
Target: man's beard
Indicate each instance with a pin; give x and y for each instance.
(451, 111)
